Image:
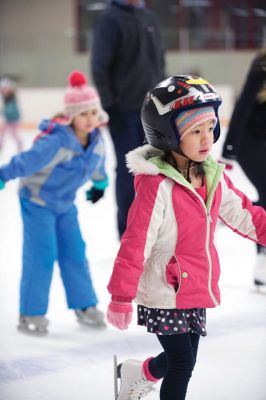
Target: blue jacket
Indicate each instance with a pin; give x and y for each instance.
(56, 165)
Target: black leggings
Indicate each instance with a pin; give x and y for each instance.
(175, 364)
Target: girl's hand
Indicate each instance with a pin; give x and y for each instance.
(119, 314)
(94, 194)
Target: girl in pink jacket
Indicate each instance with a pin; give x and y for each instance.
(167, 261)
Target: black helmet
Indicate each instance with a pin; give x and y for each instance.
(165, 101)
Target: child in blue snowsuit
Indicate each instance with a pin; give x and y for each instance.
(67, 153)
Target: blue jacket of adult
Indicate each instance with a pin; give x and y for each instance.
(127, 55)
(56, 165)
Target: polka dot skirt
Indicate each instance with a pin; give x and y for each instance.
(173, 321)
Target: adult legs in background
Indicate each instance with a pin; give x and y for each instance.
(2, 135)
(252, 159)
(127, 134)
(39, 254)
(13, 129)
(73, 262)
(175, 364)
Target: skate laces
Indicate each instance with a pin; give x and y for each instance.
(140, 388)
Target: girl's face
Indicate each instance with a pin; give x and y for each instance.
(86, 121)
(197, 144)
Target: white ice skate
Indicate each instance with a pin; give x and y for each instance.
(260, 270)
(133, 384)
(33, 325)
(91, 317)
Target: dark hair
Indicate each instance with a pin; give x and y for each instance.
(168, 157)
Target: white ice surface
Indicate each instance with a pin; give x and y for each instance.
(76, 363)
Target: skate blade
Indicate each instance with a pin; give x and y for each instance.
(93, 325)
(32, 332)
(117, 375)
(258, 282)
(260, 287)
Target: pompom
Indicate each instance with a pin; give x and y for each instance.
(77, 78)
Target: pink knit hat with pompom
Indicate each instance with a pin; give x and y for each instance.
(79, 97)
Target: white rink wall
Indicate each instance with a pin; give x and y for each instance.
(38, 103)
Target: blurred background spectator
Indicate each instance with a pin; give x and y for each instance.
(41, 42)
(218, 38)
(10, 112)
(127, 60)
(246, 140)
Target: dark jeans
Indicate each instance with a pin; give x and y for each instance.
(127, 134)
(175, 364)
(252, 159)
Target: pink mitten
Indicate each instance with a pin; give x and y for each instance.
(120, 314)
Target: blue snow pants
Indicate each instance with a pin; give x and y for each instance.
(49, 236)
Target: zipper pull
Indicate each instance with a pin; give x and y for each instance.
(209, 217)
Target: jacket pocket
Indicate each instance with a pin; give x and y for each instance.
(173, 274)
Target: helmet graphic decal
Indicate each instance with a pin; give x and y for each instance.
(197, 81)
(176, 103)
(194, 95)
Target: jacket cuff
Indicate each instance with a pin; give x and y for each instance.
(122, 299)
(101, 185)
(2, 184)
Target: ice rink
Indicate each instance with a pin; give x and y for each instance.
(76, 363)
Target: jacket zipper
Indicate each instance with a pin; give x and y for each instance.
(208, 221)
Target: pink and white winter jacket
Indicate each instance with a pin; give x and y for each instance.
(167, 258)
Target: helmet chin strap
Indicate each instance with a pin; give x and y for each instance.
(185, 172)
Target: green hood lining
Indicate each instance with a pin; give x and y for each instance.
(213, 172)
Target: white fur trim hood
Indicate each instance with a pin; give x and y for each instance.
(138, 160)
